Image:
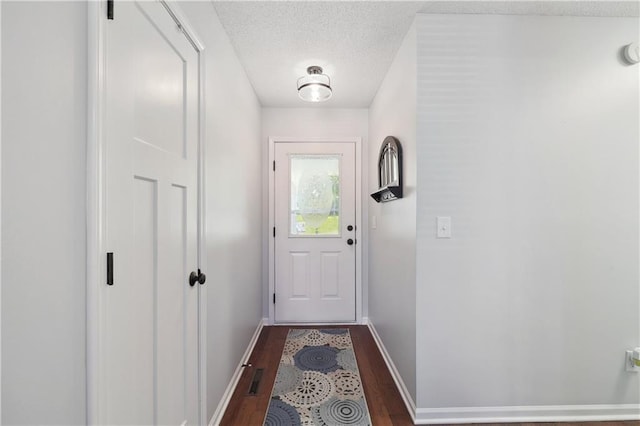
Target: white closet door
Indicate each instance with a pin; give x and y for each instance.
(150, 327)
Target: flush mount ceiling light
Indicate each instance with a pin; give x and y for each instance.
(314, 87)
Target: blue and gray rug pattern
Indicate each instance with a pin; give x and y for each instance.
(318, 382)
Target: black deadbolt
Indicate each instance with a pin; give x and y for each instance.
(350, 228)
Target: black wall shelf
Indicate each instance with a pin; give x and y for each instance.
(388, 193)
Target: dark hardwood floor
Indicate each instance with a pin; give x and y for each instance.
(383, 399)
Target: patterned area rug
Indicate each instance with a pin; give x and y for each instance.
(318, 382)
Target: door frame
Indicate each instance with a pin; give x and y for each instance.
(357, 141)
(96, 209)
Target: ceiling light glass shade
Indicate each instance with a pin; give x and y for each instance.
(314, 87)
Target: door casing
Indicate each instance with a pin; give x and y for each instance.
(96, 184)
(357, 141)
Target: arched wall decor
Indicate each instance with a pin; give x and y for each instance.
(389, 171)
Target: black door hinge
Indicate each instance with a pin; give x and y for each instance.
(110, 9)
(274, 298)
(274, 166)
(274, 232)
(109, 268)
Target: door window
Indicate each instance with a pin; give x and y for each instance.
(314, 195)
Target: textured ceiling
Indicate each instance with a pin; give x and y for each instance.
(354, 41)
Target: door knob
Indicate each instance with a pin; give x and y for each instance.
(350, 241)
(350, 228)
(197, 277)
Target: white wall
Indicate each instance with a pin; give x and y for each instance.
(392, 246)
(44, 62)
(233, 190)
(528, 139)
(44, 90)
(309, 123)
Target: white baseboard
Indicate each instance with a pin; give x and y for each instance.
(313, 324)
(526, 414)
(402, 388)
(231, 387)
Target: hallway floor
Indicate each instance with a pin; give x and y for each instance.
(383, 399)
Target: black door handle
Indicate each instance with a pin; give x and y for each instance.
(350, 228)
(350, 241)
(197, 277)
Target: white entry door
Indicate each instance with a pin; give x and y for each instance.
(315, 232)
(149, 331)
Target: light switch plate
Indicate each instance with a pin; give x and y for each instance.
(443, 224)
(374, 222)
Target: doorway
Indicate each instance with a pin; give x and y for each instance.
(314, 212)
